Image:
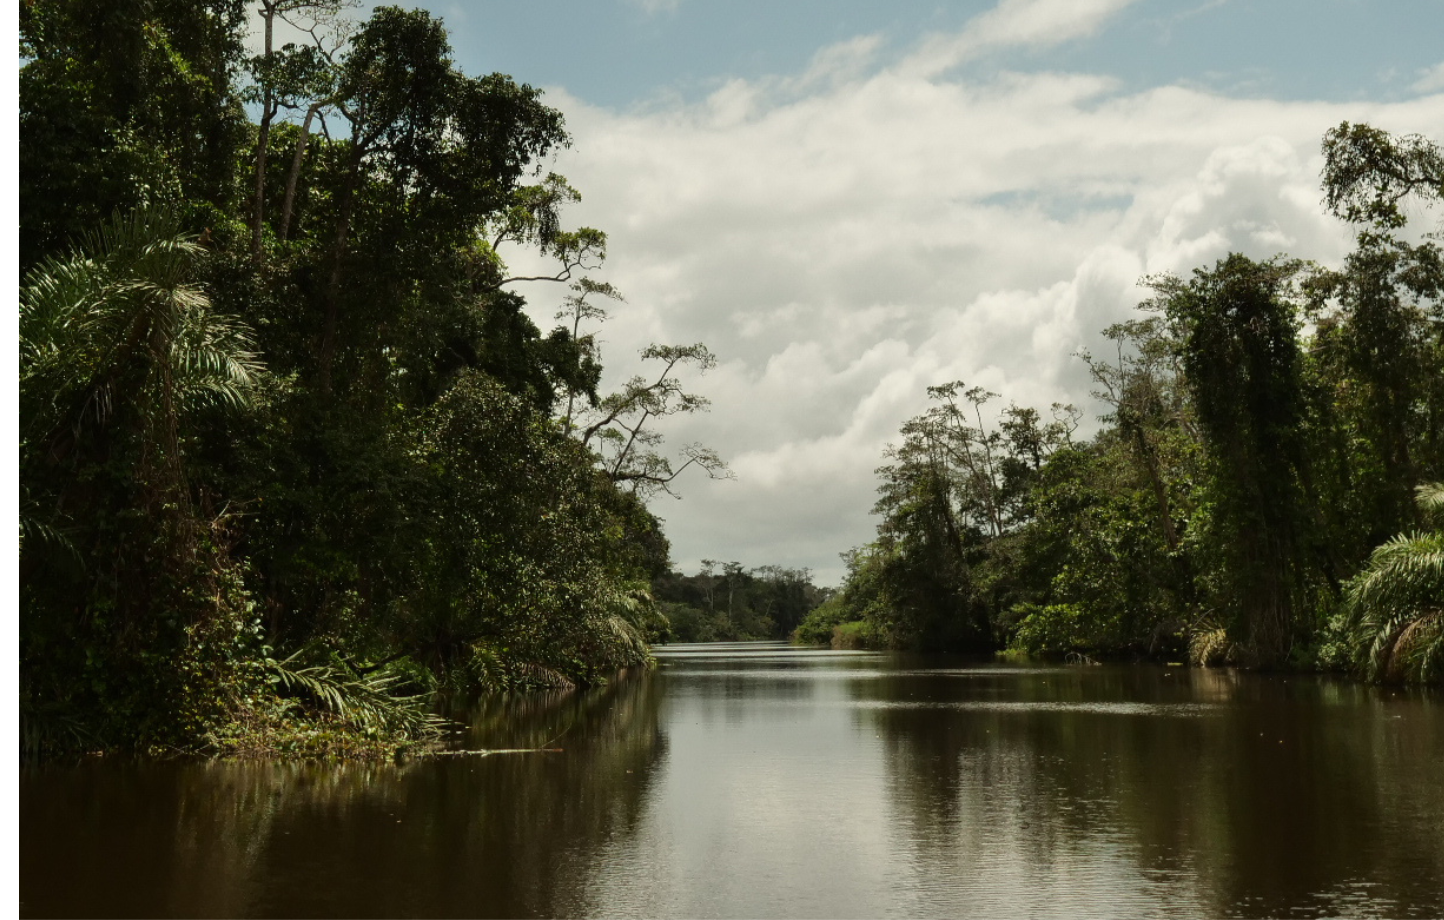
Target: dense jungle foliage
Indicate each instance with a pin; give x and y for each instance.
(292, 454)
(1258, 493)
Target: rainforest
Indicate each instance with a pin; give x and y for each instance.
(351, 575)
(295, 463)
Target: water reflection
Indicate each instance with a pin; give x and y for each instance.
(1267, 797)
(507, 835)
(759, 780)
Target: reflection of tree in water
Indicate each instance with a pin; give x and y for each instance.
(1195, 809)
(505, 835)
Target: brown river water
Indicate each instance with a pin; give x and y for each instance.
(757, 780)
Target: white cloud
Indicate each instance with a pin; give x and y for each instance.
(1013, 23)
(838, 63)
(862, 234)
(653, 7)
(1431, 80)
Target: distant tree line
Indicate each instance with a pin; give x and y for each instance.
(1261, 491)
(292, 453)
(725, 602)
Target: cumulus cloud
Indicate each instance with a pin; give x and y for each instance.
(848, 236)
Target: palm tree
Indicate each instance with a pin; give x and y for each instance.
(119, 332)
(1395, 605)
(119, 346)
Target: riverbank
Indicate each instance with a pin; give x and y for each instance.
(1210, 648)
(291, 711)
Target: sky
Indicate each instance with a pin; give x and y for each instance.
(850, 201)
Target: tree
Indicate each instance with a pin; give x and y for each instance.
(533, 219)
(283, 78)
(1144, 389)
(451, 149)
(1381, 322)
(728, 601)
(617, 429)
(524, 552)
(1368, 173)
(1379, 333)
(1242, 362)
(1267, 425)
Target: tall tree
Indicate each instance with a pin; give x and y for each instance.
(1241, 358)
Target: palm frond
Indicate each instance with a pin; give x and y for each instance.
(1430, 498)
(33, 530)
(1393, 608)
(1418, 652)
(122, 321)
(216, 363)
(53, 295)
(626, 611)
(1407, 572)
(367, 701)
(147, 242)
(627, 639)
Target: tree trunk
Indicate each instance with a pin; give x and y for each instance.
(333, 284)
(288, 205)
(263, 138)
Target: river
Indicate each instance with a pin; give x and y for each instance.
(758, 780)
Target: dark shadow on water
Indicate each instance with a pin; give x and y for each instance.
(476, 836)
